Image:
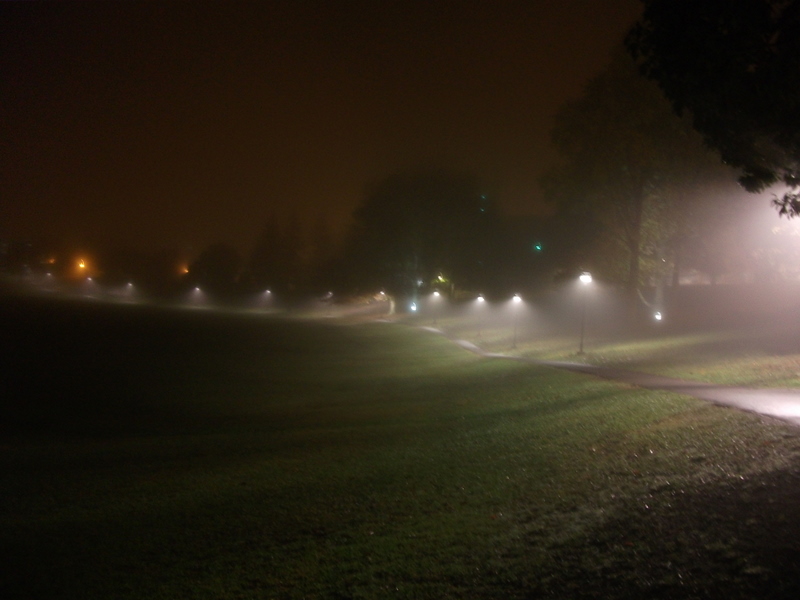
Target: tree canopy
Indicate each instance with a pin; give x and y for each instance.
(627, 187)
(417, 226)
(217, 268)
(735, 66)
(275, 261)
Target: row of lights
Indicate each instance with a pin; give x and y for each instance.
(585, 278)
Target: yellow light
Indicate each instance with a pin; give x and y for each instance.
(81, 264)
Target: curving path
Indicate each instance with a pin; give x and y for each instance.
(780, 403)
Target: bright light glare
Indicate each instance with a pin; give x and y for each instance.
(517, 298)
(81, 264)
(658, 316)
(586, 277)
(437, 294)
(413, 307)
(480, 298)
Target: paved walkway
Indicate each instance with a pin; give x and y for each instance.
(781, 403)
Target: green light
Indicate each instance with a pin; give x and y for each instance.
(537, 247)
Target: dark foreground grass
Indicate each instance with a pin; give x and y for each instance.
(187, 454)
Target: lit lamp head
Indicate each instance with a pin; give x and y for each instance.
(585, 278)
(480, 298)
(517, 299)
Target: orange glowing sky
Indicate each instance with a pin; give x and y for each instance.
(177, 124)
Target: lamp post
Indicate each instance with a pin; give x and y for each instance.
(515, 300)
(480, 300)
(436, 296)
(585, 278)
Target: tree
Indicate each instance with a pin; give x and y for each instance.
(625, 188)
(276, 260)
(322, 253)
(154, 270)
(217, 268)
(607, 137)
(735, 66)
(417, 226)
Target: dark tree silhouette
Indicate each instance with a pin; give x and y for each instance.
(217, 268)
(276, 260)
(155, 271)
(417, 226)
(628, 188)
(736, 67)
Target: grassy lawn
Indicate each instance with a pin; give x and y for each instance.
(763, 355)
(148, 453)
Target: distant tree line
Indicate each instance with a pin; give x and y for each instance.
(645, 193)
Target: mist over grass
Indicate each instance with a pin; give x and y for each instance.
(151, 453)
(730, 334)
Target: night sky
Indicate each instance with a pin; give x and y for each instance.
(178, 124)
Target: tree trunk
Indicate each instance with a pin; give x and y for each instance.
(634, 247)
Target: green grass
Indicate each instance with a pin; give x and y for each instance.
(218, 456)
(765, 356)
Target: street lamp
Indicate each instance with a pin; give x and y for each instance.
(436, 296)
(480, 300)
(585, 278)
(515, 300)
